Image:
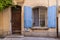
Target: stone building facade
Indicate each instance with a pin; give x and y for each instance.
(28, 26)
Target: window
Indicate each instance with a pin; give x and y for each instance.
(40, 16)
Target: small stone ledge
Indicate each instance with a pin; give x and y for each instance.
(39, 28)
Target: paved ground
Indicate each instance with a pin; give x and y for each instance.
(30, 38)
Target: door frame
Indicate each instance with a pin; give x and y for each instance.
(22, 19)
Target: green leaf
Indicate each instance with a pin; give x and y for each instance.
(4, 4)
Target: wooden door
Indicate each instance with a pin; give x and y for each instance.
(16, 20)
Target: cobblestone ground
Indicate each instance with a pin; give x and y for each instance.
(30, 38)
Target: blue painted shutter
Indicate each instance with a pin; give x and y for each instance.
(27, 17)
(52, 17)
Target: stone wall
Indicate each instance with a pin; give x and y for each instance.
(33, 3)
(59, 23)
(5, 21)
(1, 22)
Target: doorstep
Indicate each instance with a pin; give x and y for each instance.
(15, 36)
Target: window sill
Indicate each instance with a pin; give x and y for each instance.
(39, 28)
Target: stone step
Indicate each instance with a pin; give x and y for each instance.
(40, 34)
(15, 36)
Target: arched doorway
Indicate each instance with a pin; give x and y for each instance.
(40, 16)
(16, 19)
